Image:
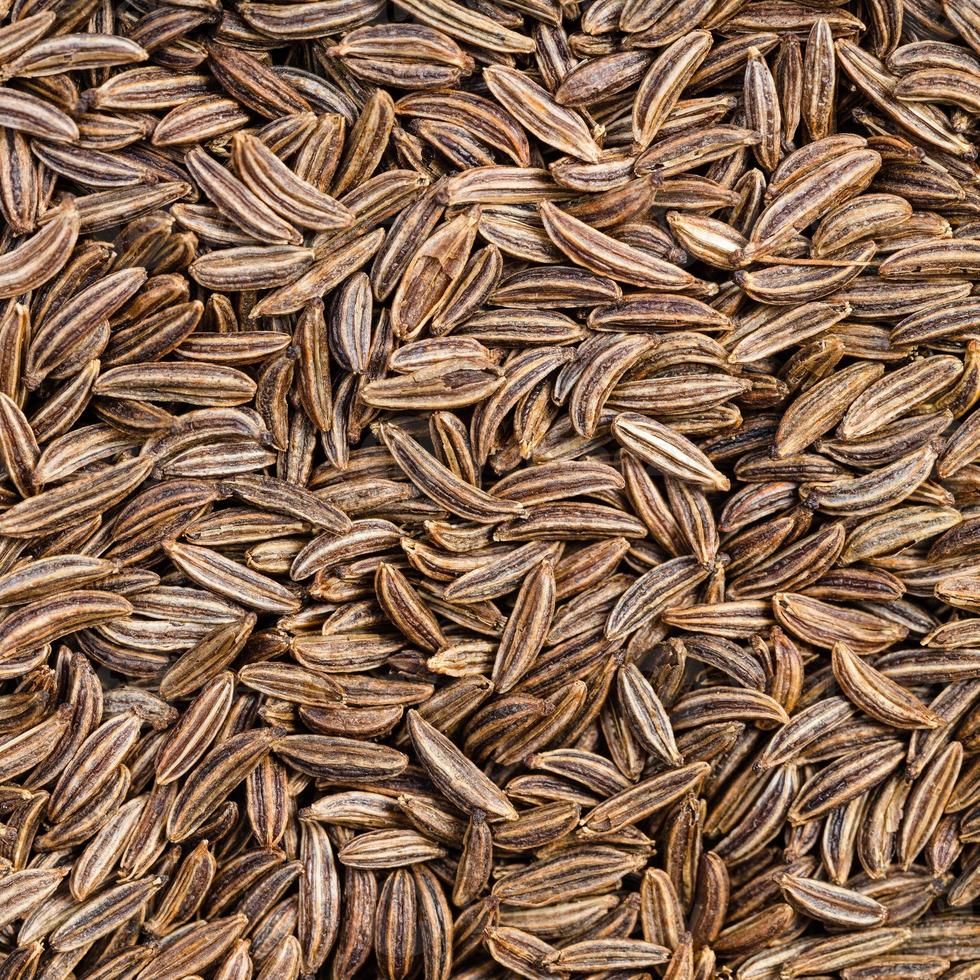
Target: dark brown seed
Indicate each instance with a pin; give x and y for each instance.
(490, 489)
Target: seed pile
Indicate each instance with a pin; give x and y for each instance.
(490, 490)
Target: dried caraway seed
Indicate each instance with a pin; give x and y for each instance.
(489, 490)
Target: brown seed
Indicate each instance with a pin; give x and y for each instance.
(553, 508)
